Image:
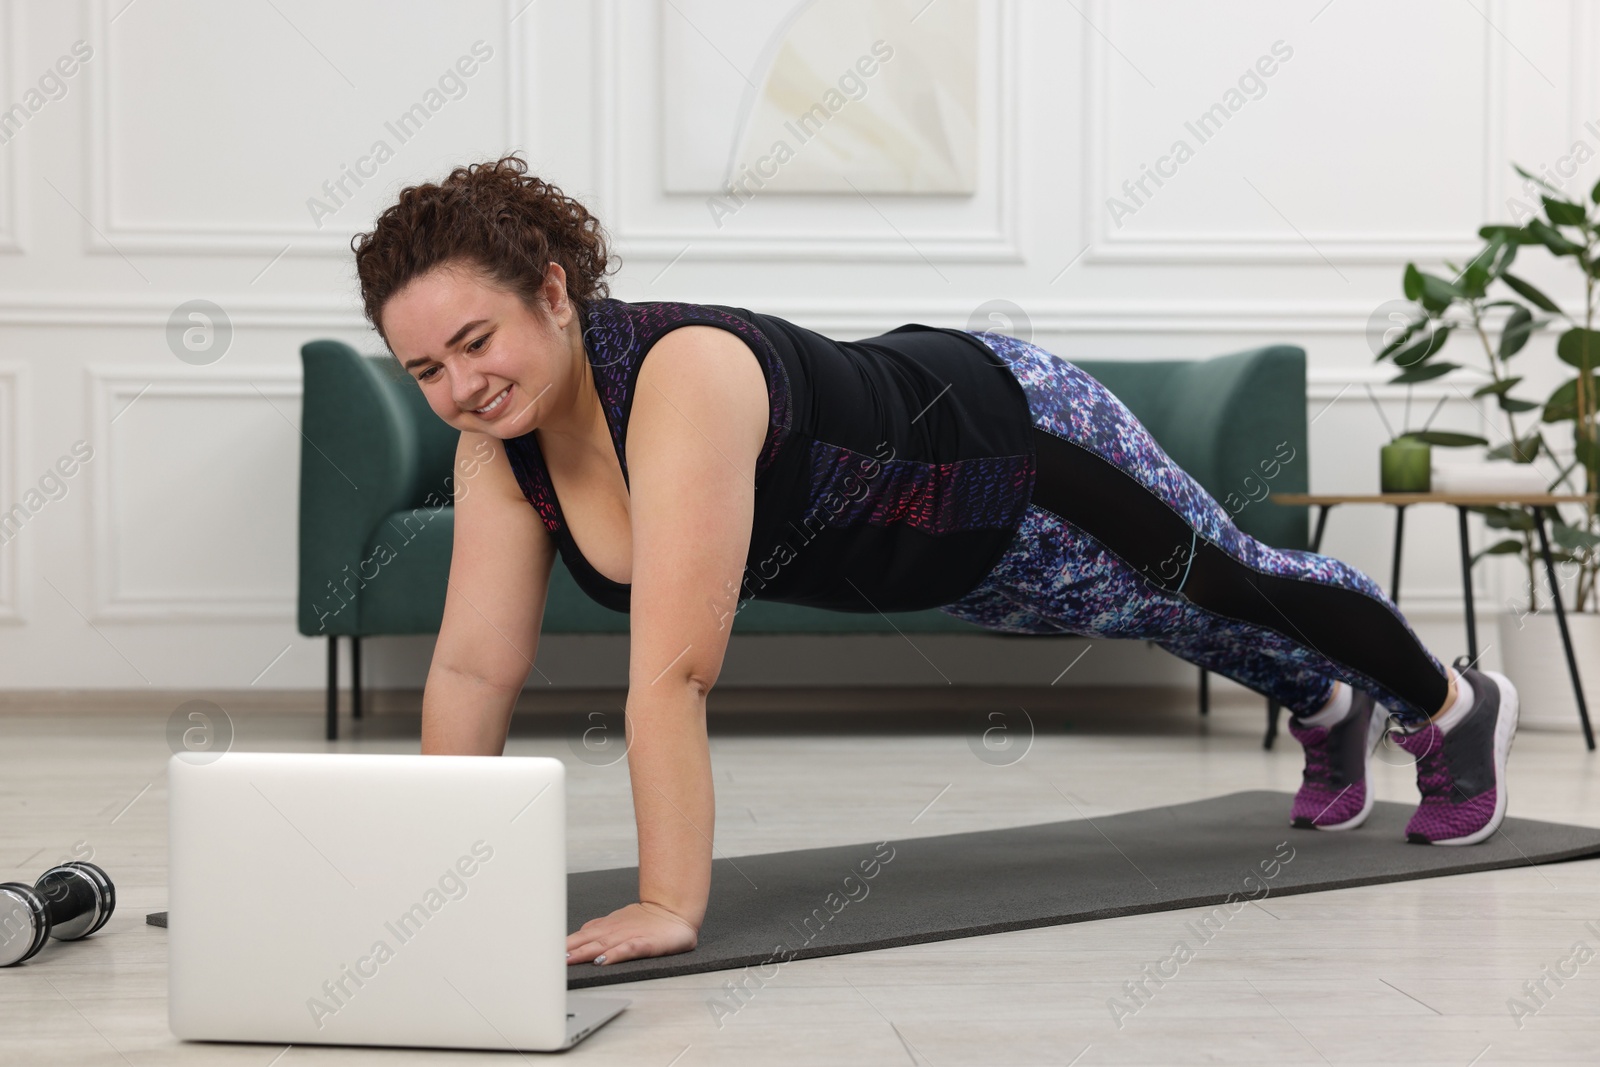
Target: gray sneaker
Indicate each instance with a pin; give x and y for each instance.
(1462, 774)
(1334, 794)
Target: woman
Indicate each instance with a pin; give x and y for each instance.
(922, 468)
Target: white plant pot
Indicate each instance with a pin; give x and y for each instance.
(1531, 652)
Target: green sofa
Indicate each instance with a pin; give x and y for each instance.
(375, 522)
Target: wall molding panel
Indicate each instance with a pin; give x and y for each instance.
(113, 393)
(12, 168)
(1286, 244)
(110, 235)
(15, 437)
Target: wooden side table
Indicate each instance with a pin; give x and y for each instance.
(1538, 502)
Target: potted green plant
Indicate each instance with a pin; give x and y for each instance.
(1502, 311)
(1405, 464)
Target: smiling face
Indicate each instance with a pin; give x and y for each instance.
(486, 362)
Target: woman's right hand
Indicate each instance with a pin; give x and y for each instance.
(632, 932)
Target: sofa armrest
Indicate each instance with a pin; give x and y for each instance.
(366, 452)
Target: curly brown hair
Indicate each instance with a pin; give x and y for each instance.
(489, 216)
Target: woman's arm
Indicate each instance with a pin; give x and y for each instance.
(699, 418)
(499, 574)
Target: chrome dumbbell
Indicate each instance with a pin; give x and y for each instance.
(69, 902)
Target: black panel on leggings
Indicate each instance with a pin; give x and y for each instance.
(1345, 625)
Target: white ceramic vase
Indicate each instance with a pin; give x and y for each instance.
(1532, 657)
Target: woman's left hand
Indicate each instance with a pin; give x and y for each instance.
(633, 932)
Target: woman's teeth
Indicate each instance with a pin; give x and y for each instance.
(495, 403)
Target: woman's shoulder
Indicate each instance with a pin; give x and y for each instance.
(640, 323)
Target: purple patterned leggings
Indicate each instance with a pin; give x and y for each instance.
(1284, 623)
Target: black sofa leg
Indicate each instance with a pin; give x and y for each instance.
(333, 687)
(1205, 693)
(355, 676)
(1273, 707)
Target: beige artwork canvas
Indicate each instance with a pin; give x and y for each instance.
(825, 96)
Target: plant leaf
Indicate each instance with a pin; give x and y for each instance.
(1502, 386)
(1506, 547)
(1577, 343)
(1439, 293)
(1513, 234)
(1515, 404)
(1507, 253)
(1486, 255)
(1573, 537)
(1529, 293)
(1412, 282)
(1405, 335)
(1563, 403)
(1423, 372)
(1421, 349)
(1588, 452)
(1526, 450)
(1563, 212)
(1510, 519)
(1557, 244)
(1535, 179)
(1518, 328)
(1447, 438)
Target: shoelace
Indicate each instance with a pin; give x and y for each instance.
(1433, 775)
(1319, 768)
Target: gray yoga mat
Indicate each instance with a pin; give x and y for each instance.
(775, 906)
(1047, 874)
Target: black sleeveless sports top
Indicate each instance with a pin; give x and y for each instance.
(895, 471)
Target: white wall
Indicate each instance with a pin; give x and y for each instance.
(179, 161)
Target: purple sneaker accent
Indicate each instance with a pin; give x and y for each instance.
(1333, 791)
(1462, 774)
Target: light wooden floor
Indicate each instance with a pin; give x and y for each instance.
(1416, 973)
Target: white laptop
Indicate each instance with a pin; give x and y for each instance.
(333, 898)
